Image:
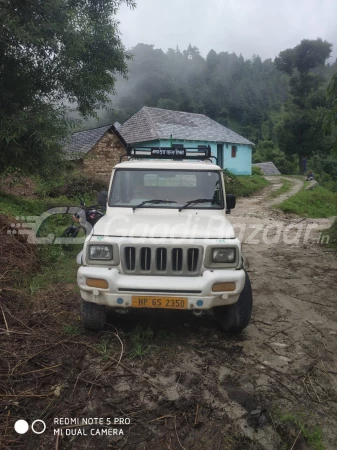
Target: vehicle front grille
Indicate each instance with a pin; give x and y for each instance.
(130, 257)
(177, 259)
(154, 260)
(161, 259)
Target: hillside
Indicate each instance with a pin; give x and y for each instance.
(246, 95)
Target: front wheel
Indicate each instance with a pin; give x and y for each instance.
(93, 316)
(236, 317)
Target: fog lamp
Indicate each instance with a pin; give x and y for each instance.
(226, 286)
(97, 283)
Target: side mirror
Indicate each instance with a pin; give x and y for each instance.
(102, 198)
(230, 202)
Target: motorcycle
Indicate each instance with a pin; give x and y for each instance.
(92, 215)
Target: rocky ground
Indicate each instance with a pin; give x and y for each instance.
(182, 382)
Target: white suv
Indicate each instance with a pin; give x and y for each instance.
(165, 242)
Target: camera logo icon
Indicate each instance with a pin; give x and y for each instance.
(21, 426)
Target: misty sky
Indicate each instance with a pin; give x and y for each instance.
(263, 27)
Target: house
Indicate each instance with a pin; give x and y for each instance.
(96, 151)
(161, 127)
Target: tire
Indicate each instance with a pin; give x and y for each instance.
(93, 316)
(236, 317)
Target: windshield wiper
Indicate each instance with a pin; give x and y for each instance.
(153, 202)
(198, 200)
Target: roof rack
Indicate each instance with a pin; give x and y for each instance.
(200, 153)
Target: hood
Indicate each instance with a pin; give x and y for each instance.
(169, 224)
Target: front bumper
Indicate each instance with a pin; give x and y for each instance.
(121, 287)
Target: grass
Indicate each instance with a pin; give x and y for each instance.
(244, 185)
(331, 233)
(71, 330)
(103, 347)
(286, 186)
(141, 340)
(313, 436)
(57, 265)
(316, 203)
(57, 262)
(21, 206)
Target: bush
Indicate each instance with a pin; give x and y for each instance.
(71, 185)
(17, 256)
(257, 158)
(31, 138)
(266, 151)
(325, 170)
(243, 186)
(257, 171)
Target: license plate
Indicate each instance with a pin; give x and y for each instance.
(146, 301)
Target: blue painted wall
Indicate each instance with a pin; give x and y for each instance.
(240, 165)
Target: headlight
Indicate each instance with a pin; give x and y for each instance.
(103, 252)
(224, 255)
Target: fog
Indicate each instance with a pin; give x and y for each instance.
(263, 27)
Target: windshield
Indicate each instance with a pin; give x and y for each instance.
(172, 189)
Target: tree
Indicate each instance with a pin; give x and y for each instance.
(191, 52)
(52, 54)
(301, 130)
(300, 133)
(330, 116)
(211, 60)
(304, 57)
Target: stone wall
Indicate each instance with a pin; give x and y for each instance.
(104, 156)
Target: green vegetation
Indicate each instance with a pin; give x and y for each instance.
(283, 117)
(301, 131)
(286, 186)
(57, 265)
(313, 436)
(71, 57)
(330, 115)
(236, 92)
(331, 234)
(141, 340)
(57, 192)
(287, 107)
(267, 150)
(316, 203)
(103, 348)
(243, 186)
(256, 171)
(20, 206)
(70, 183)
(71, 330)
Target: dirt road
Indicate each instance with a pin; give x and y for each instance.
(187, 385)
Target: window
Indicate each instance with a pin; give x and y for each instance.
(132, 187)
(234, 150)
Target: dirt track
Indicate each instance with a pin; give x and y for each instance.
(196, 387)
